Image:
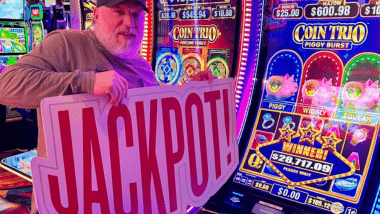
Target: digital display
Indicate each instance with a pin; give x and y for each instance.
(36, 12)
(194, 36)
(11, 9)
(315, 135)
(38, 33)
(12, 40)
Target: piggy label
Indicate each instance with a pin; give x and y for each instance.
(276, 106)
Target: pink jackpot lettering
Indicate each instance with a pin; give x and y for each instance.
(145, 141)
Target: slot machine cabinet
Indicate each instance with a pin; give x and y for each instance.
(14, 38)
(178, 56)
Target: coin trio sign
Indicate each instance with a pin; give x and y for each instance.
(167, 147)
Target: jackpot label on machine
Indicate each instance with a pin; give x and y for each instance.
(194, 36)
(315, 137)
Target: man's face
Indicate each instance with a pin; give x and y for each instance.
(120, 28)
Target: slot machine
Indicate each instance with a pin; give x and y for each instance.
(313, 146)
(214, 35)
(36, 15)
(194, 37)
(14, 37)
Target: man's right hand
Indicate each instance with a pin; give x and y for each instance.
(110, 82)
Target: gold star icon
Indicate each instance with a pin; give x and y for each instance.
(329, 142)
(286, 133)
(308, 134)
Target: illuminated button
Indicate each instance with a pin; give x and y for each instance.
(249, 182)
(243, 180)
(237, 178)
(234, 199)
(347, 184)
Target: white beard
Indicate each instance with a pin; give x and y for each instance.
(109, 41)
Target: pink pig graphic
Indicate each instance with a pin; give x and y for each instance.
(319, 92)
(360, 95)
(281, 87)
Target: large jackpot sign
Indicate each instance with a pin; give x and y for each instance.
(315, 136)
(165, 148)
(194, 36)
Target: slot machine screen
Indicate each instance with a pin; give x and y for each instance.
(11, 10)
(13, 40)
(315, 135)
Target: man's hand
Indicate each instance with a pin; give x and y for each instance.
(110, 82)
(204, 75)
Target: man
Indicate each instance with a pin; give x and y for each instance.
(103, 61)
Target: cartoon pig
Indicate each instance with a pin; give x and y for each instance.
(319, 92)
(281, 87)
(361, 96)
